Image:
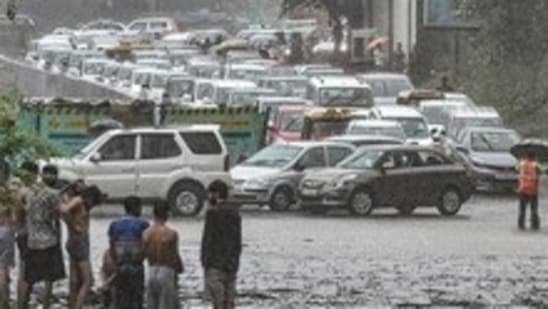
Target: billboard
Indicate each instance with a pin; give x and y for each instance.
(447, 14)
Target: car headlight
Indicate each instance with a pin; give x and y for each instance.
(344, 48)
(256, 183)
(343, 181)
(478, 161)
(287, 51)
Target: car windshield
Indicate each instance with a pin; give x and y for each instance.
(459, 124)
(179, 88)
(142, 79)
(438, 115)
(159, 80)
(344, 97)
(413, 127)
(396, 132)
(124, 74)
(394, 87)
(493, 141)
(245, 98)
(362, 160)
(290, 87)
(94, 68)
(245, 74)
(274, 156)
(291, 121)
(325, 128)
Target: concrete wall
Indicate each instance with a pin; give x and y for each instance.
(33, 82)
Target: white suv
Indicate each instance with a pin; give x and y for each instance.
(173, 164)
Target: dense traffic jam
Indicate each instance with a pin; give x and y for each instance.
(334, 140)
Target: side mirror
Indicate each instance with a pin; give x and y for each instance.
(96, 157)
(299, 167)
(463, 150)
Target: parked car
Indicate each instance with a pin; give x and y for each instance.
(414, 124)
(376, 127)
(286, 85)
(339, 91)
(486, 151)
(437, 112)
(387, 86)
(365, 140)
(175, 164)
(404, 177)
(463, 118)
(154, 26)
(272, 175)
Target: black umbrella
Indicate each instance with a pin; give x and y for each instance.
(537, 147)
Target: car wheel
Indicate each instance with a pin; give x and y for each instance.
(281, 199)
(406, 210)
(186, 199)
(450, 202)
(361, 203)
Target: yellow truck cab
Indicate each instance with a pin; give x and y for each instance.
(321, 123)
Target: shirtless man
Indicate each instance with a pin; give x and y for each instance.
(75, 211)
(161, 245)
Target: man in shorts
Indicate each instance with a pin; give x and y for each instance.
(126, 247)
(44, 259)
(27, 174)
(75, 211)
(221, 247)
(7, 235)
(161, 245)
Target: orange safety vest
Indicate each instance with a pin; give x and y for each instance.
(528, 177)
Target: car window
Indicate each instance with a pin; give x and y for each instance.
(159, 146)
(202, 142)
(337, 154)
(205, 91)
(158, 25)
(314, 157)
(118, 148)
(138, 26)
(430, 158)
(398, 160)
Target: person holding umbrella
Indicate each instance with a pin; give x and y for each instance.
(529, 151)
(528, 183)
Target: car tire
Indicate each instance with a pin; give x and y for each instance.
(186, 199)
(361, 203)
(406, 210)
(281, 200)
(450, 202)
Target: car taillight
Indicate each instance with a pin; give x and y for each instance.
(227, 163)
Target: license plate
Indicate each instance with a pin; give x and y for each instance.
(309, 192)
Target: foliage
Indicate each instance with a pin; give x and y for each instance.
(16, 144)
(507, 65)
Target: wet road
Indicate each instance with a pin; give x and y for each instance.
(295, 260)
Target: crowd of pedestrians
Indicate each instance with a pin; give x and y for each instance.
(30, 218)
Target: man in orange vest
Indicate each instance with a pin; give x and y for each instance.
(529, 173)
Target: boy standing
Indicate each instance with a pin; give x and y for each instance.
(221, 247)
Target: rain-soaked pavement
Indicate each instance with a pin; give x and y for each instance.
(295, 260)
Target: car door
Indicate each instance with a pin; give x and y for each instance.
(336, 154)
(395, 183)
(115, 169)
(314, 157)
(432, 177)
(159, 155)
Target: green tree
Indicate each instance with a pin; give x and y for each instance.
(507, 65)
(17, 144)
